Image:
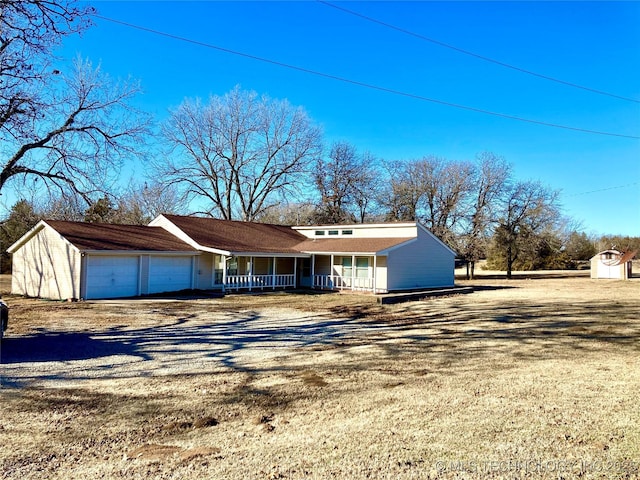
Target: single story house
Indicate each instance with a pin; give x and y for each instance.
(612, 264)
(78, 260)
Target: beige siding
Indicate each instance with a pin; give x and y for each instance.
(381, 273)
(422, 263)
(204, 271)
(46, 266)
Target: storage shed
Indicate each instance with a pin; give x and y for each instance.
(612, 264)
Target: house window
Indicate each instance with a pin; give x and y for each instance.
(346, 267)
(232, 266)
(362, 267)
(319, 233)
(347, 232)
(333, 232)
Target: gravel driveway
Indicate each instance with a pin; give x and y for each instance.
(194, 343)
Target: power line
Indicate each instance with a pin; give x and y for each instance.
(604, 189)
(476, 55)
(363, 84)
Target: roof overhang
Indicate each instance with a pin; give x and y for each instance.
(269, 254)
(350, 254)
(134, 253)
(41, 225)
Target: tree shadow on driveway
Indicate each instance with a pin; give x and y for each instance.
(256, 341)
(186, 345)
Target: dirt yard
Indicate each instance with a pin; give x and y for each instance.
(533, 378)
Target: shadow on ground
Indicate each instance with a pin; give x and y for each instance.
(251, 342)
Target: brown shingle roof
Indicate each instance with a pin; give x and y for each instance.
(247, 237)
(103, 236)
(349, 245)
(238, 237)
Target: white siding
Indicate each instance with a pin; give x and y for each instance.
(46, 266)
(423, 263)
(382, 230)
(601, 270)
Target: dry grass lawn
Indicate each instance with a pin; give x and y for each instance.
(522, 379)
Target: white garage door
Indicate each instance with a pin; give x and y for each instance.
(112, 277)
(169, 274)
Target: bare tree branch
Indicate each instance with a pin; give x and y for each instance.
(73, 130)
(238, 152)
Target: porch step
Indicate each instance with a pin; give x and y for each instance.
(398, 297)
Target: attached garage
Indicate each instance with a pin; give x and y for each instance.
(171, 273)
(112, 276)
(74, 260)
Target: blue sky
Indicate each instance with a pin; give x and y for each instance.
(592, 44)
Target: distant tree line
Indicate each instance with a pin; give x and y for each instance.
(67, 131)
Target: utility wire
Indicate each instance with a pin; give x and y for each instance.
(363, 84)
(472, 54)
(604, 189)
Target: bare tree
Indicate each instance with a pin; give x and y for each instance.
(240, 154)
(528, 210)
(69, 130)
(489, 179)
(302, 213)
(446, 186)
(402, 193)
(62, 206)
(346, 183)
(366, 189)
(140, 204)
(432, 190)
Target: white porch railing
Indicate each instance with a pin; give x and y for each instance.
(260, 281)
(336, 282)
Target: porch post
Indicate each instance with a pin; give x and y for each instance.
(250, 273)
(295, 272)
(273, 274)
(313, 271)
(224, 271)
(353, 272)
(331, 272)
(375, 266)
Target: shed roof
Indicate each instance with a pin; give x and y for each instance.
(106, 236)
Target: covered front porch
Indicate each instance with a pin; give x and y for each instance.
(324, 272)
(258, 273)
(362, 273)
